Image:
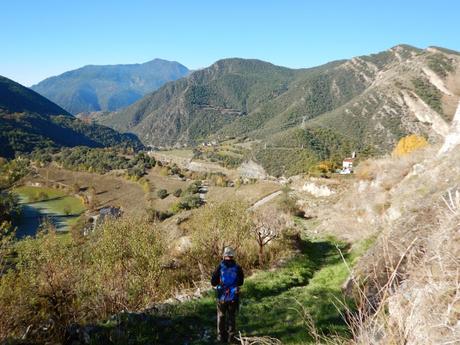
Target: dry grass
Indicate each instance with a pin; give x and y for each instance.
(419, 301)
(408, 284)
(427, 304)
(361, 209)
(110, 190)
(258, 341)
(249, 193)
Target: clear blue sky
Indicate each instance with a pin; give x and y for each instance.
(41, 38)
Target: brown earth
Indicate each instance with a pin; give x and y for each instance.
(110, 190)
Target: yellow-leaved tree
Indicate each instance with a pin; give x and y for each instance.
(409, 144)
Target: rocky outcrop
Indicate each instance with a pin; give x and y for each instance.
(453, 137)
(251, 169)
(317, 191)
(425, 114)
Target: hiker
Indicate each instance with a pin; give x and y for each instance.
(227, 278)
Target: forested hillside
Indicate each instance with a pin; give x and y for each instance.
(370, 102)
(29, 121)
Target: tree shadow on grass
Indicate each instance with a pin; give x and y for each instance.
(43, 200)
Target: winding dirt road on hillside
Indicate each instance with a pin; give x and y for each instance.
(266, 199)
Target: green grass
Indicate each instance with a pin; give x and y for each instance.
(273, 303)
(56, 202)
(29, 192)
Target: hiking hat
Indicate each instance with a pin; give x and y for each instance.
(229, 251)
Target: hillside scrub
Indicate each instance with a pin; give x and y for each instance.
(429, 94)
(98, 160)
(56, 283)
(407, 281)
(359, 212)
(125, 265)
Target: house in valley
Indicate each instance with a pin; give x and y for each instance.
(347, 164)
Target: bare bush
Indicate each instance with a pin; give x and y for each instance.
(268, 226)
(215, 226)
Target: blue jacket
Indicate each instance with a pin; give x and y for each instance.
(215, 279)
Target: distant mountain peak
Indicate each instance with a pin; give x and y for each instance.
(29, 121)
(108, 87)
(403, 46)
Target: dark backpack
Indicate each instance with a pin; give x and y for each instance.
(227, 290)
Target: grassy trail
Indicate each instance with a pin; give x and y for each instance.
(273, 304)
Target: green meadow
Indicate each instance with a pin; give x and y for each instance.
(37, 203)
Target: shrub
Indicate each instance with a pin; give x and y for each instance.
(146, 186)
(409, 144)
(191, 201)
(219, 180)
(177, 193)
(175, 170)
(42, 290)
(67, 210)
(218, 225)
(156, 215)
(164, 171)
(162, 193)
(288, 203)
(119, 269)
(9, 206)
(323, 168)
(187, 203)
(193, 188)
(176, 208)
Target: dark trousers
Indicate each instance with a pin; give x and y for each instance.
(226, 314)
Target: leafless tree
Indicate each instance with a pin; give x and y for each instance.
(268, 225)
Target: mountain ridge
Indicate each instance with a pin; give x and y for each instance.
(29, 121)
(108, 87)
(368, 71)
(17, 98)
(373, 100)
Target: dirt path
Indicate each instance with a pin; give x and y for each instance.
(265, 200)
